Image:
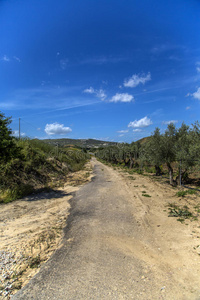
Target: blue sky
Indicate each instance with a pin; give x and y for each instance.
(111, 70)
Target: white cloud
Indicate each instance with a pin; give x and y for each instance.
(15, 133)
(137, 130)
(198, 69)
(5, 58)
(169, 122)
(136, 80)
(99, 93)
(56, 128)
(122, 131)
(196, 95)
(124, 97)
(89, 91)
(144, 122)
(188, 107)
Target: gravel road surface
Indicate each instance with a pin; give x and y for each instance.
(101, 253)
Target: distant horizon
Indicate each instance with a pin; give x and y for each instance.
(107, 70)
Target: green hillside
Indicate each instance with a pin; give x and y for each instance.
(83, 143)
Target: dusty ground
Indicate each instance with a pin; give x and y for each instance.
(31, 230)
(120, 244)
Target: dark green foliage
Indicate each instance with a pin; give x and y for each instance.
(8, 148)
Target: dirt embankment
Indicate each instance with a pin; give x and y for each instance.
(31, 230)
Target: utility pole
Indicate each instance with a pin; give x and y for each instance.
(19, 128)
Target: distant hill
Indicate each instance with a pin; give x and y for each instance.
(83, 143)
(144, 140)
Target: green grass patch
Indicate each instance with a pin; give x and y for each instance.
(146, 195)
(184, 193)
(182, 213)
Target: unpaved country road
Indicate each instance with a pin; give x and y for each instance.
(108, 253)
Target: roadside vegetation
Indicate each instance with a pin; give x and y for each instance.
(174, 153)
(28, 165)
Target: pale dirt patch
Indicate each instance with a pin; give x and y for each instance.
(170, 249)
(31, 230)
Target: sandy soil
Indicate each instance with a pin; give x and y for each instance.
(31, 230)
(166, 245)
(168, 249)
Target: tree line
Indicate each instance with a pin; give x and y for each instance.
(178, 147)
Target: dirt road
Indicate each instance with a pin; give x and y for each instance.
(119, 244)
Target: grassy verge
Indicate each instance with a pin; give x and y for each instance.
(37, 165)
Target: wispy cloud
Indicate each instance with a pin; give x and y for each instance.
(137, 130)
(188, 107)
(123, 131)
(63, 63)
(135, 80)
(8, 59)
(46, 99)
(144, 122)
(98, 93)
(57, 128)
(195, 95)
(123, 97)
(5, 58)
(166, 48)
(89, 90)
(17, 58)
(170, 122)
(99, 60)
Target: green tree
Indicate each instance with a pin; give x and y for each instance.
(154, 150)
(8, 148)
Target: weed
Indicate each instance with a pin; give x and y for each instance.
(191, 192)
(135, 185)
(35, 262)
(184, 193)
(172, 205)
(181, 193)
(197, 208)
(182, 212)
(144, 192)
(181, 220)
(146, 195)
